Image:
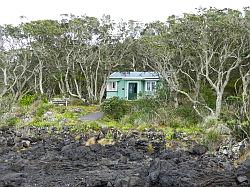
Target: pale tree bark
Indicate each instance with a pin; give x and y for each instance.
(245, 78)
(217, 71)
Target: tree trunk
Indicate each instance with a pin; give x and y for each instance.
(218, 104)
(41, 77)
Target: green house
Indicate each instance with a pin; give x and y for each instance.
(131, 85)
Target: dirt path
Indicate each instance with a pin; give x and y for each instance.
(92, 116)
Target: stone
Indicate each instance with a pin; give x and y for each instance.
(10, 141)
(154, 176)
(27, 119)
(25, 143)
(135, 181)
(3, 141)
(222, 129)
(78, 110)
(91, 141)
(198, 149)
(48, 113)
(123, 160)
(12, 179)
(242, 179)
(49, 116)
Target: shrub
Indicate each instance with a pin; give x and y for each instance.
(12, 121)
(240, 130)
(208, 96)
(42, 109)
(27, 100)
(85, 127)
(76, 102)
(115, 108)
(212, 140)
(187, 113)
(6, 103)
(146, 104)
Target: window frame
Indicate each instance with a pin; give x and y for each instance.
(113, 89)
(151, 89)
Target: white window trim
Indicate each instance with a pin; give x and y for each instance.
(112, 90)
(151, 87)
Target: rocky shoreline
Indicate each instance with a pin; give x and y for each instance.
(43, 158)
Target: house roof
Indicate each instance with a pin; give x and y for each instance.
(134, 75)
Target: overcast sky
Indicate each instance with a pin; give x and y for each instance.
(139, 10)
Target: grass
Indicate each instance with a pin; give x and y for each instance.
(61, 116)
(212, 139)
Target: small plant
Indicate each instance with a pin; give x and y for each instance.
(27, 100)
(187, 113)
(150, 148)
(240, 130)
(42, 109)
(85, 127)
(76, 102)
(109, 135)
(12, 121)
(212, 140)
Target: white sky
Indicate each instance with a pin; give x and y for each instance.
(139, 10)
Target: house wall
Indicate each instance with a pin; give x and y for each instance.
(122, 88)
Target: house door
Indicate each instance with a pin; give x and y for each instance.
(132, 91)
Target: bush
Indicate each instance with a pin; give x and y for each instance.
(187, 113)
(12, 121)
(6, 103)
(208, 96)
(240, 130)
(85, 127)
(212, 140)
(76, 102)
(44, 107)
(27, 100)
(115, 108)
(144, 110)
(146, 104)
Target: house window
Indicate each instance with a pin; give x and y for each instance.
(150, 86)
(112, 86)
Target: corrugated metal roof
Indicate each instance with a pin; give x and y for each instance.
(136, 74)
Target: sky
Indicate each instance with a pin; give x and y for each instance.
(138, 10)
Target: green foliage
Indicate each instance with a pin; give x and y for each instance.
(6, 103)
(240, 130)
(12, 121)
(144, 110)
(86, 126)
(150, 148)
(27, 100)
(115, 108)
(145, 104)
(39, 123)
(115, 124)
(76, 102)
(42, 108)
(109, 135)
(212, 139)
(162, 92)
(234, 100)
(69, 115)
(187, 113)
(209, 96)
(43, 98)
